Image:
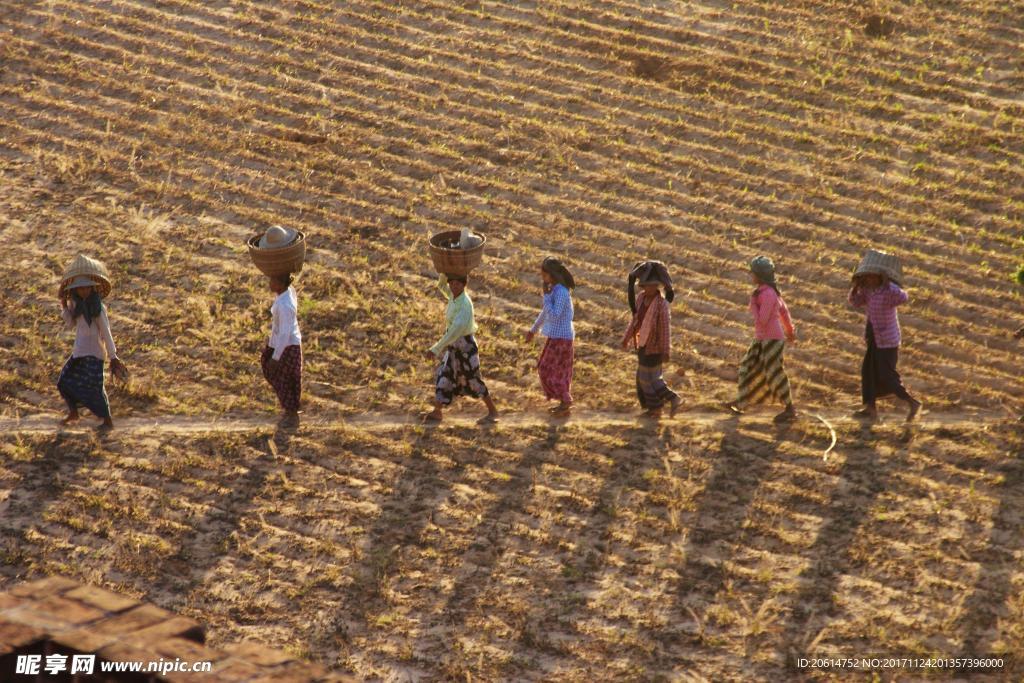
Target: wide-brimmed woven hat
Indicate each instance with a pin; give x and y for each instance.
(85, 267)
(880, 263)
(276, 237)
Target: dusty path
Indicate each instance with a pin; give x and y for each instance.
(174, 424)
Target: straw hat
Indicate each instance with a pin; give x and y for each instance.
(468, 240)
(86, 272)
(276, 237)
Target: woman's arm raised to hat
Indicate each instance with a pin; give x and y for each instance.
(857, 297)
(67, 314)
(895, 295)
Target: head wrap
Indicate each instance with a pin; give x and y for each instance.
(647, 272)
(764, 269)
(91, 306)
(558, 272)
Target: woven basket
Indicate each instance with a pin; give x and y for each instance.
(90, 268)
(280, 261)
(882, 264)
(455, 261)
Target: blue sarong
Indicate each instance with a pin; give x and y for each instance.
(81, 384)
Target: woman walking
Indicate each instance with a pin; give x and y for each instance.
(879, 295)
(555, 322)
(81, 379)
(281, 360)
(649, 334)
(459, 371)
(762, 374)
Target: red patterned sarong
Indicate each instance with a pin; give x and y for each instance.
(555, 369)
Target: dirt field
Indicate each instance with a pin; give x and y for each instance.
(159, 134)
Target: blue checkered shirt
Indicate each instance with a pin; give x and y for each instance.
(555, 319)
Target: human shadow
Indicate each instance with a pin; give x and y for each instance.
(43, 480)
(205, 543)
(981, 611)
(491, 536)
(645, 447)
(740, 464)
(863, 477)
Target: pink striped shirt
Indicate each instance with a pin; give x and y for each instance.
(881, 306)
(771, 315)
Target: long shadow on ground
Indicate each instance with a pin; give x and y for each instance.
(43, 480)
(864, 476)
(740, 465)
(197, 551)
(981, 611)
(645, 448)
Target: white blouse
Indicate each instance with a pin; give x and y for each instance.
(284, 330)
(90, 340)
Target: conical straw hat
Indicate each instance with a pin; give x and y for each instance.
(881, 263)
(83, 266)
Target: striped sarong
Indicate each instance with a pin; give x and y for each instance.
(762, 374)
(651, 389)
(81, 384)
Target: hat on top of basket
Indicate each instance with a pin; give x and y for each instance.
(468, 240)
(881, 263)
(276, 237)
(86, 272)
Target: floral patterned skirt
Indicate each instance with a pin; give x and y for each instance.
(459, 372)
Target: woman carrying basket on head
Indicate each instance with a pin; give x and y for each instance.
(649, 334)
(281, 360)
(81, 379)
(876, 291)
(555, 321)
(459, 371)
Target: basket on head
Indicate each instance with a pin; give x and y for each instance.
(90, 268)
(280, 261)
(451, 259)
(881, 263)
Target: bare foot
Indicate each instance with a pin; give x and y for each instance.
(106, 425)
(867, 413)
(734, 407)
(676, 402)
(71, 418)
(489, 418)
(433, 416)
